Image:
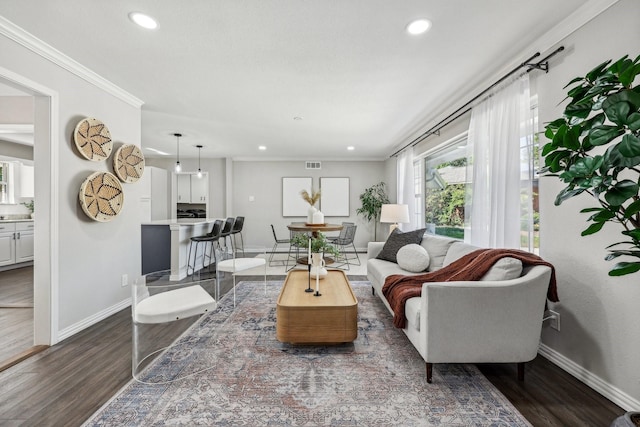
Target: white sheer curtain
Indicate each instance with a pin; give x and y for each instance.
(500, 127)
(406, 187)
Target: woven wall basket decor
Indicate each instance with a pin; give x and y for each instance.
(128, 163)
(93, 139)
(101, 196)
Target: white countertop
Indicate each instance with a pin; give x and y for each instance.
(182, 221)
(16, 220)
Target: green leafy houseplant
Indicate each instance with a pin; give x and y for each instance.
(595, 149)
(372, 200)
(319, 243)
(29, 205)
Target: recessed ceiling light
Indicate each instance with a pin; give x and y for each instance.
(351, 148)
(145, 21)
(262, 147)
(418, 26)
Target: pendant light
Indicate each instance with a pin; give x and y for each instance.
(199, 170)
(178, 166)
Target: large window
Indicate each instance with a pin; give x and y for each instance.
(446, 174)
(445, 181)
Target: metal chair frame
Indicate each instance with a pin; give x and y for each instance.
(343, 244)
(275, 245)
(212, 237)
(238, 225)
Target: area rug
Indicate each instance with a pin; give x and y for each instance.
(255, 380)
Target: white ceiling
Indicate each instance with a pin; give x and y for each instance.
(232, 74)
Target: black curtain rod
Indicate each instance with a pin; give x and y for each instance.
(543, 64)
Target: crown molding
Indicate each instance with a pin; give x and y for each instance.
(48, 52)
(585, 13)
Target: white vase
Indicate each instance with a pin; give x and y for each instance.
(318, 217)
(312, 210)
(317, 265)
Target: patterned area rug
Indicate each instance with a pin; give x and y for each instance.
(255, 380)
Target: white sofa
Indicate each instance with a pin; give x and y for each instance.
(484, 321)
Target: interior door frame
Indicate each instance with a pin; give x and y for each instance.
(45, 155)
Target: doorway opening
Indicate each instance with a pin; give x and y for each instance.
(43, 274)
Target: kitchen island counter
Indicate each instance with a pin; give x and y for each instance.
(165, 244)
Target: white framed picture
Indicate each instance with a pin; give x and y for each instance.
(292, 202)
(334, 196)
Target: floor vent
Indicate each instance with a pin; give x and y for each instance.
(313, 165)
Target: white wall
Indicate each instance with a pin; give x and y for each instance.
(92, 256)
(600, 315)
(263, 181)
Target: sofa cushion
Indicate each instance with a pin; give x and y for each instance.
(398, 239)
(504, 269)
(457, 250)
(437, 247)
(413, 258)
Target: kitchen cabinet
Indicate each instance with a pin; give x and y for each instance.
(24, 241)
(199, 188)
(184, 188)
(191, 189)
(16, 242)
(7, 244)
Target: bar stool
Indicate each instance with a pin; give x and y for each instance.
(237, 229)
(212, 237)
(226, 232)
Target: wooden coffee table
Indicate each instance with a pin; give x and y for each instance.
(303, 318)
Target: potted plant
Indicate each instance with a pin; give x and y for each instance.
(319, 243)
(372, 200)
(595, 150)
(319, 247)
(630, 419)
(30, 206)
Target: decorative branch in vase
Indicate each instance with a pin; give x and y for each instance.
(314, 216)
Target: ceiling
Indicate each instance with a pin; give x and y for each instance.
(232, 75)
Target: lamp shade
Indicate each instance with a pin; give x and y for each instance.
(395, 214)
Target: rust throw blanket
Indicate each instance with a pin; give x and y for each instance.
(398, 288)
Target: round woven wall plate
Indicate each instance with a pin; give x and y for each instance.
(101, 196)
(93, 139)
(128, 163)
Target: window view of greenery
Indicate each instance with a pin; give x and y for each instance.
(445, 189)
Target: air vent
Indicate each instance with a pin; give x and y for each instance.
(313, 165)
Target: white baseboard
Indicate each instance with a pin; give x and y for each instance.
(609, 391)
(91, 320)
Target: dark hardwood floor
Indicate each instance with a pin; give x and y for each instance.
(65, 384)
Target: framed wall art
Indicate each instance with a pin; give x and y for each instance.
(292, 202)
(334, 196)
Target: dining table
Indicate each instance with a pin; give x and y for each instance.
(314, 229)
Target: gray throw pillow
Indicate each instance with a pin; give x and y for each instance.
(398, 239)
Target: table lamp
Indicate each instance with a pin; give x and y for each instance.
(394, 214)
